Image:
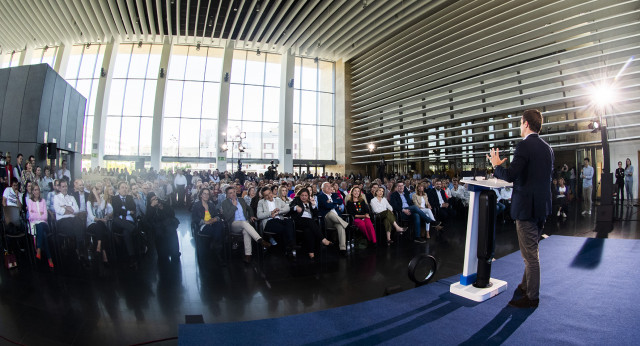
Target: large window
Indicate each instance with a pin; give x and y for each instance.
(313, 110)
(131, 100)
(45, 55)
(254, 105)
(190, 121)
(10, 59)
(83, 73)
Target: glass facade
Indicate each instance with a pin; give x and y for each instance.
(131, 100)
(254, 105)
(46, 55)
(313, 110)
(83, 73)
(190, 119)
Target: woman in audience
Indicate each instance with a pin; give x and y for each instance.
(37, 208)
(27, 188)
(562, 198)
(27, 175)
(99, 211)
(283, 194)
(304, 209)
(45, 181)
(208, 220)
(422, 201)
(381, 207)
(251, 193)
(359, 209)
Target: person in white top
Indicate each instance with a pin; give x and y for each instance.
(66, 209)
(180, 183)
(562, 198)
(421, 199)
(383, 210)
(271, 212)
(63, 171)
(12, 203)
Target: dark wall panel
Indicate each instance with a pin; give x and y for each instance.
(62, 143)
(82, 105)
(13, 103)
(45, 105)
(31, 103)
(72, 118)
(4, 80)
(57, 106)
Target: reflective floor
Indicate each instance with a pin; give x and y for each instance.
(114, 306)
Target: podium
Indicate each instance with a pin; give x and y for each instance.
(489, 287)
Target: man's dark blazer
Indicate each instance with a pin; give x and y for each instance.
(129, 204)
(396, 201)
(530, 172)
(324, 206)
(76, 195)
(432, 195)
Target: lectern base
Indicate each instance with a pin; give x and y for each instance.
(479, 294)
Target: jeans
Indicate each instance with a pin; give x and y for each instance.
(418, 215)
(586, 198)
(628, 184)
(42, 229)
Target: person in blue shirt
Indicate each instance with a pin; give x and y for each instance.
(587, 186)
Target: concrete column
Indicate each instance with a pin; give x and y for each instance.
(62, 58)
(285, 130)
(158, 108)
(343, 119)
(102, 103)
(223, 110)
(25, 56)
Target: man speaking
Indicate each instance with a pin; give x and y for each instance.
(530, 172)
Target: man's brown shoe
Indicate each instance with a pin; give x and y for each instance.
(524, 303)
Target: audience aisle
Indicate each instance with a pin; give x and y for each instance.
(120, 306)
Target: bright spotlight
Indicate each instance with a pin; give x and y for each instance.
(371, 147)
(225, 147)
(603, 95)
(594, 126)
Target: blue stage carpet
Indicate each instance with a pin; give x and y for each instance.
(587, 297)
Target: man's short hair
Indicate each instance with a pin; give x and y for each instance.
(587, 159)
(533, 117)
(229, 188)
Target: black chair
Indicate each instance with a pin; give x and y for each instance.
(15, 227)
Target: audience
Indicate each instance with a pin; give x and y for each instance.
(403, 205)
(271, 212)
(37, 211)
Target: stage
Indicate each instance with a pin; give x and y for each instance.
(586, 298)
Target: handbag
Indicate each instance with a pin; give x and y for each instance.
(10, 261)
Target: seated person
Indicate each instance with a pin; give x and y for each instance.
(208, 219)
(459, 196)
(500, 207)
(238, 216)
(271, 212)
(99, 211)
(304, 210)
(437, 198)
(37, 211)
(12, 204)
(403, 205)
(124, 213)
(422, 201)
(562, 198)
(162, 219)
(66, 210)
(329, 207)
(382, 209)
(358, 208)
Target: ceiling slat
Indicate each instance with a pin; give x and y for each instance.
(215, 22)
(246, 18)
(169, 29)
(8, 42)
(235, 19)
(54, 28)
(159, 17)
(178, 11)
(206, 22)
(252, 27)
(151, 20)
(142, 19)
(264, 24)
(313, 40)
(91, 12)
(186, 23)
(276, 20)
(49, 8)
(87, 35)
(282, 26)
(299, 29)
(195, 24)
(129, 20)
(226, 18)
(103, 7)
(11, 20)
(115, 14)
(39, 38)
(89, 21)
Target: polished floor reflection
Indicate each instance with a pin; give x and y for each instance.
(113, 306)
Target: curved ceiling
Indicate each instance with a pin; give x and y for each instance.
(329, 29)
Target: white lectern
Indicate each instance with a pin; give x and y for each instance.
(464, 287)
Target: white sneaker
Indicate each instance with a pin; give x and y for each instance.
(558, 212)
(584, 212)
(564, 215)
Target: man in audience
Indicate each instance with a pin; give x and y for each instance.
(403, 205)
(66, 209)
(8, 169)
(17, 169)
(238, 216)
(63, 171)
(271, 213)
(124, 213)
(329, 208)
(372, 192)
(12, 203)
(437, 198)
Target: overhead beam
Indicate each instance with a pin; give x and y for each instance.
(331, 23)
(246, 18)
(151, 20)
(104, 9)
(275, 22)
(115, 14)
(142, 20)
(206, 22)
(283, 25)
(302, 23)
(235, 19)
(263, 26)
